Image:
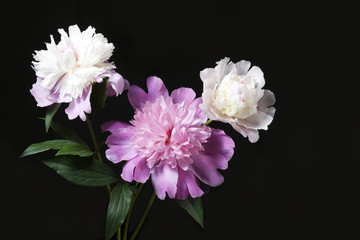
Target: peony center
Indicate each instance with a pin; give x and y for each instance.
(237, 96)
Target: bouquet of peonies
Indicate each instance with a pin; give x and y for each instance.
(168, 140)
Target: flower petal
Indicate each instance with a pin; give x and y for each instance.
(156, 88)
(142, 171)
(266, 101)
(220, 143)
(242, 67)
(116, 83)
(210, 78)
(117, 153)
(128, 169)
(256, 73)
(112, 126)
(259, 120)
(80, 105)
(187, 184)
(44, 97)
(165, 180)
(252, 134)
(137, 96)
(203, 168)
(183, 94)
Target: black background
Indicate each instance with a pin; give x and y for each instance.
(300, 181)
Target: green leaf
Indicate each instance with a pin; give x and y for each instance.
(75, 149)
(44, 146)
(194, 207)
(66, 133)
(82, 171)
(98, 95)
(50, 112)
(118, 208)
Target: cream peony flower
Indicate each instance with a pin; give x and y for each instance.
(233, 94)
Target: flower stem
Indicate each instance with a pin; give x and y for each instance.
(118, 234)
(91, 130)
(144, 215)
(208, 122)
(130, 210)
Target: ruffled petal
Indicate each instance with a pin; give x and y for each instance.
(199, 114)
(165, 180)
(156, 88)
(80, 105)
(183, 94)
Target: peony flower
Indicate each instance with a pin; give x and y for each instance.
(233, 94)
(168, 141)
(66, 71)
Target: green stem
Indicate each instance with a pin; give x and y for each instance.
(91, 130)
(208, 122)
(119, 234)
(144, 215)
(130, 210)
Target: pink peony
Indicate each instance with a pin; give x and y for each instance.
(168, 141)
(66, 71)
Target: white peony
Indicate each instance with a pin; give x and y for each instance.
(67, 71)
(73, 64)
(233, 94)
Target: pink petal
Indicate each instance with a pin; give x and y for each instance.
(187, 184)
(80, 105)
(185, 95)
(142, 171)
(128, 169)
(112, 126)
(116, 83)
(164, 180)
(203, 168)
(117, 154)
(220, 143)
(156, 88)
(44, 97)
(137, 96)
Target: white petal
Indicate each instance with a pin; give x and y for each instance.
(256, 73)
(267, 100)
(242, 67)
(252, 134)
(210, 78)
(259, 120)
